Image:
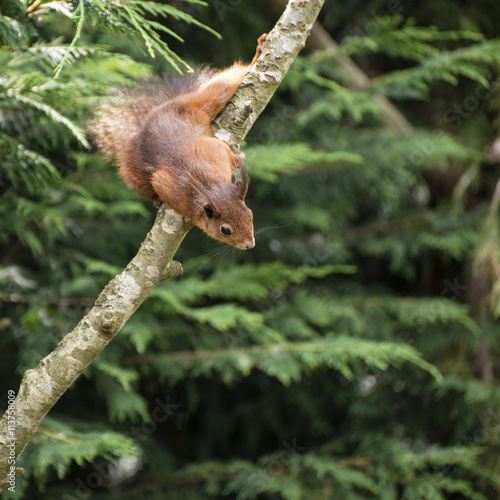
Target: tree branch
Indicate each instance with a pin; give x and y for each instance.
(42, 386)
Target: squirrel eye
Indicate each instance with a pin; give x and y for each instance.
(225, 231)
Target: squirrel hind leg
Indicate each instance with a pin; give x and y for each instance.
(217, 88)
(214, 94)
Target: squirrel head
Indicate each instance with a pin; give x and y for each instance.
(222, 213)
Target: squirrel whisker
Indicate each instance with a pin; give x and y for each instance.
(276, 226)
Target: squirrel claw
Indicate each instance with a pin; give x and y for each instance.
(158, 203)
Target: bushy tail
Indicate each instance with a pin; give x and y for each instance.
(118, 120)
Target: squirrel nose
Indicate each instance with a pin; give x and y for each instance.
(250, 244)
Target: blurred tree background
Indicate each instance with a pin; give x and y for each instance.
(354, 353)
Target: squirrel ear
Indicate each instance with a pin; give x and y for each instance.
(202, 199)
(242, 182)
(210, 210)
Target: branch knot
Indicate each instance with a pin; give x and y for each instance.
(108, 323)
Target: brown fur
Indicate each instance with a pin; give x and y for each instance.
(160, 136)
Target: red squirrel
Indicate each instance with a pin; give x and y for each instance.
(160, 136)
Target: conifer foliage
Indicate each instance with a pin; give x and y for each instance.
(353, 354)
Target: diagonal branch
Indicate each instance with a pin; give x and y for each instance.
(42, 386)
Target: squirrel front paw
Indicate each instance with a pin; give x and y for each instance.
(237, 160)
